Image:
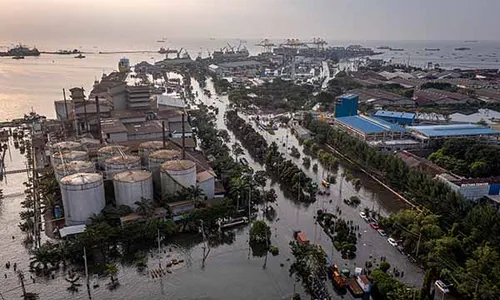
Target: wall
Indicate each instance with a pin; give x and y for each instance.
(208, 187)
(117, 137)
(474, 192)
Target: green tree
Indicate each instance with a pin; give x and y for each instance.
(112, 270)
(145, 207)
(260, 233)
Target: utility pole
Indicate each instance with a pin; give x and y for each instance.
(249, 212)
(206, 248)
(418, 245)
(98, 110)
(65, 105)
(159, 249)
(87, 281)
(21, 279)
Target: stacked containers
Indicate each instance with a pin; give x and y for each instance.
(176, 175)
(82, 196)
(132, 186)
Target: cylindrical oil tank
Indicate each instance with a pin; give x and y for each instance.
(68, 156)
(146, 148)
(132, 186)
(155, 159)
(176, 175)
(109, 151)
(77, 166)
(82, 196)
(121, 163)
(66, 145)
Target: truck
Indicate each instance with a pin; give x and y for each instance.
(354, 287)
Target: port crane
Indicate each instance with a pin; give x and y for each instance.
(266, 44)
(318, 42)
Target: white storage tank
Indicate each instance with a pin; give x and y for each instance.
(66, 145)
(176, 175)
(82, 196)
(77, 166)
(109, 151)
(132, 186)
(155, 159)
(146, 148)
(68, 156)
(121, 163)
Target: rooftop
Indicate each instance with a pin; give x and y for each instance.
(453, 130)
(146, 127)
(243, 63)
(394, 114)
(169, 100)
(130, 113)
(132, 176)
(112, 126)
(204, 176)
(177, 127)
(369, 125)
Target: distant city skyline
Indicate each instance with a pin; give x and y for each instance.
(128, 21)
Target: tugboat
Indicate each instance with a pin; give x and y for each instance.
(18, 57)
(80, 56)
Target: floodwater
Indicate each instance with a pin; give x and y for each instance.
(229, 272)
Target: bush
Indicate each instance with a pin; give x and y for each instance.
(384, 266)
(315, 168)
(306, 161)
(274, 250)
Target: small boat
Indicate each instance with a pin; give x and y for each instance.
(325, 183)
(397, 49)
(80, 56)
(18, 57)
(432, 49)
(462, 49)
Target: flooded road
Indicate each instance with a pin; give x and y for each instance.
(229, 272)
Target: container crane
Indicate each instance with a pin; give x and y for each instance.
(318, 42)
(266, 44)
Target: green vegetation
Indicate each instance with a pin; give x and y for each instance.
(309, 260)
(306, 161)
(277, 94)
(250, 139)
(274, 250)
(340, 231)
(440, 86)
(388, 288)
(294, 152)
(260, 233)
(460, 240)
(468, 158)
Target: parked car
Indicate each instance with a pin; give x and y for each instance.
(381, 232)
(363, 216)
(374, 226)
(392, 242)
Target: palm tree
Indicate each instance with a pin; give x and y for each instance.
(195, 193)
(237, 150)
(145, 207)
(112, 270)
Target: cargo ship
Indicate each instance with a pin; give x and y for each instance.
(462, 49)
(21, 51)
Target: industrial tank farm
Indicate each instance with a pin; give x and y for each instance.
(110, 151)
(175, 175)
(120, 163)
(66, 145)
(133, 186)
(73, 167)
(68, 156)
(146, 148)
(155, 159)
(82, 196)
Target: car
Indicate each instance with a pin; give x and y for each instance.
(392, 242)
(381, 232)
(362, 214)
(374, 226)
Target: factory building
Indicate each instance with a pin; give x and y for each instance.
(346, 105)
(428, 133)
(138, 97)
(401, 118)
(472, 188)
(370, 129)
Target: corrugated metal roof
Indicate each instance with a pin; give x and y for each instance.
(369, 125)
(454, 130)
(394, 114)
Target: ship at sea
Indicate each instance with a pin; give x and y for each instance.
(124, 65)
(432, 49)
(21, 51)
(462, 49)
(167, 51)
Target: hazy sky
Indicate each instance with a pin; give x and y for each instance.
(134, 20)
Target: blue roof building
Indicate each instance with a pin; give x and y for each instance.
(429, 132)
(346, 105)
(402, 118)
(370, 128)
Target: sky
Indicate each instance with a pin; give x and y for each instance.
(137, 20)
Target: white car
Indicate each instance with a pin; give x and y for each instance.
(381, 232)
(392, 242)
(363, 215)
